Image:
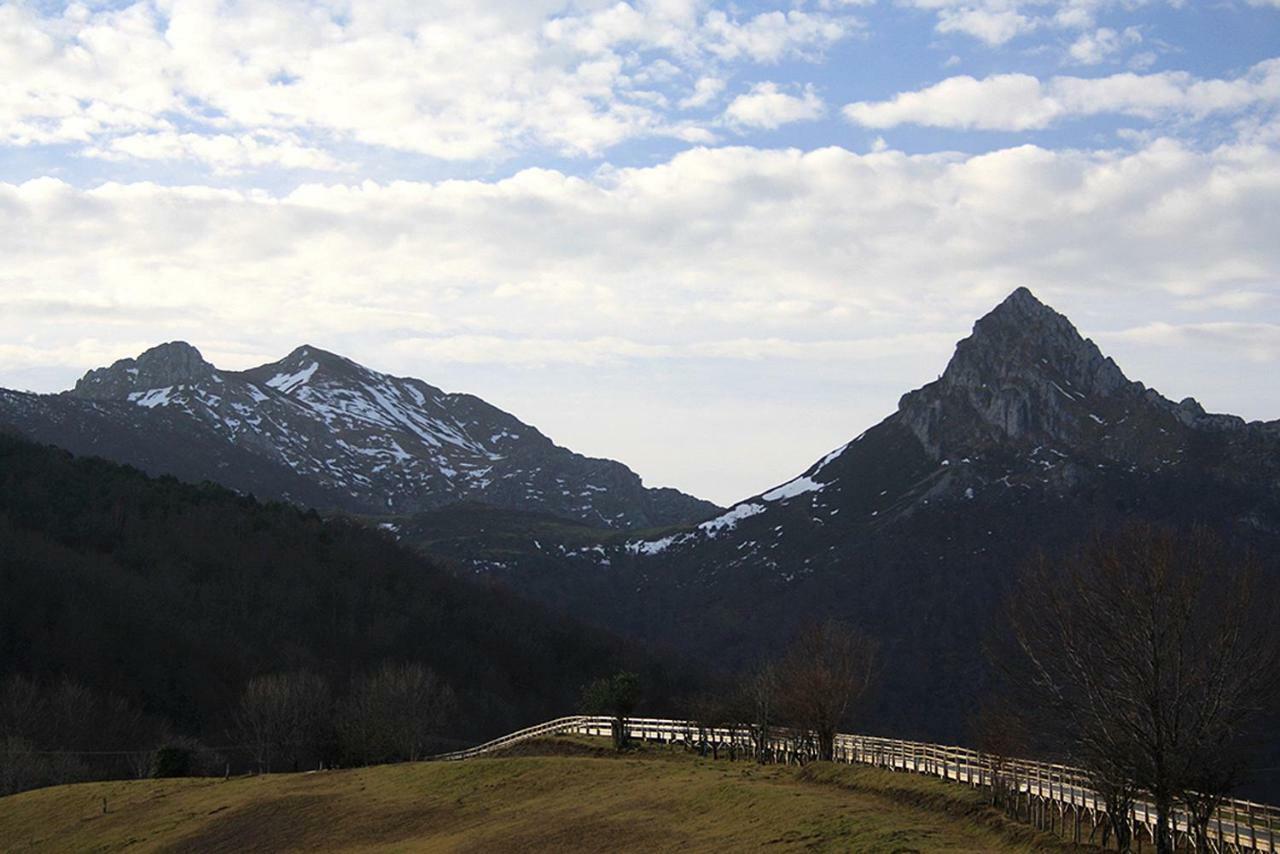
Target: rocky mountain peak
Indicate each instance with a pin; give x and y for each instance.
(1024, 373)
(311, 353)
(164, 366)
(1021, 341)
(305, 366)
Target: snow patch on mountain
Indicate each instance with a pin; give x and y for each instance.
(728, 521)
(286, 383)
(653, 547)
(792, 488)
(834, 455)
(709, 529)
(152, 398)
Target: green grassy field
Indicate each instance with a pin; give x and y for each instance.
(563, 796)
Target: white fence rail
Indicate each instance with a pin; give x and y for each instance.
(1057, 797)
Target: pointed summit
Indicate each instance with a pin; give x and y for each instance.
(1021, 317)
(1024, 372)
(1024, 340)
(330, 362)
(170, 364)
(1021, 313)
(310, 351)
(1023, 301)
(305, 365)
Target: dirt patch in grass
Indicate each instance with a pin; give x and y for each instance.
(278, 824)
(593, 833)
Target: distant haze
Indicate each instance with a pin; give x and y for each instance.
(711, 241)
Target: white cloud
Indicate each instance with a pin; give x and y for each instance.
(453, 80)
(830, 5)
(225, 153)
(1021, 102)
(773, 36)
(996, 22)
(1230, 300)
(1003, 101)
(767, 106)
(706, 90)
(713, 246)
(1102, 44)
(69, 78)
(599, 350)
(992, 27)
(1257, 342)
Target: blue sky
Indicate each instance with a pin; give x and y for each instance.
(711, 240)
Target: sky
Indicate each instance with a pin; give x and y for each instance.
(711, 240)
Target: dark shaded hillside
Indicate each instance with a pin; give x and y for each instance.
(172, 596)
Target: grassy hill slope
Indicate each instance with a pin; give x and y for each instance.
(580, 799)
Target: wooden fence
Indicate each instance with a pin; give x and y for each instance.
(1048, 795)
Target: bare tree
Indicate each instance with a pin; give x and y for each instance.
(1227, 690)
(719, 717)
(1148, 658)
(395, 713)
(283, 715)
(23, 766)
(43, 725)
(999, 733)
(825, 674)
(760, 691)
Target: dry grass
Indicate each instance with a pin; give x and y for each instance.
(568, 800)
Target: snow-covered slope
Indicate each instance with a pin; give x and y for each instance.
(368, 441)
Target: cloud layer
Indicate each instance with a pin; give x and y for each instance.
(452, 80)
(824, 260)
(1020, 102)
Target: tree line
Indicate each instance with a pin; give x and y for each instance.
(65, 732)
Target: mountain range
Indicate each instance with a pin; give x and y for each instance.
(1029, 441)
(320, 430)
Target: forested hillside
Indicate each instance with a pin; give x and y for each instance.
(160, 600)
